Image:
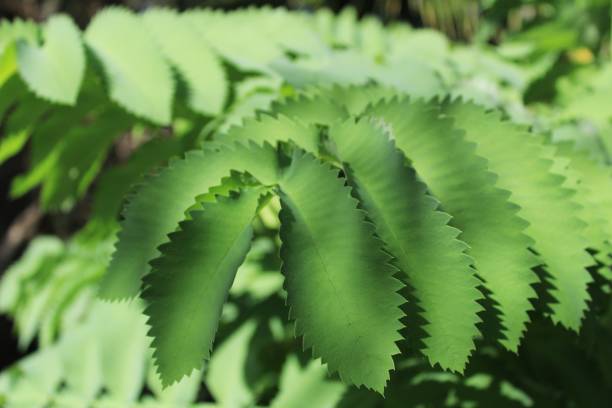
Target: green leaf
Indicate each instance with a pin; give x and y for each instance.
(138, 77)
(309, 109)
(585, 94)
(41, 291)
(338, 279)
(20, 124)
(11, 92)
(373, 37)
(55, 70)
(42, 251)
(73, 162)
(355, 99)
(161, 203)
(525, 167)
(115, 183)
(192, 57)
(347, 66)
(189, 282)
(225, 374)
(346, 27)
(593, 183)
(90, 359)
(80, 156)
(10, 33)
(427, 250)
(459, 178)
(272, 130)
(304, 387)
(247, 47)
(47, 137)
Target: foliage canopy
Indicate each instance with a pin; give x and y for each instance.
(403, 215)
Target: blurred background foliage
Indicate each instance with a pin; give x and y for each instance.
(577, 32)
(545, 63)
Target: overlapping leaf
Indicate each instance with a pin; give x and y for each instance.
(190, 281)
(459, 178)
(593, 183)
(525, 168)
(427, 250)
(161, 204)
(272, 130)
(338, 279)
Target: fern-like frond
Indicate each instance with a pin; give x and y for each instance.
(426, 248)
(189, 282)
(406, 220)
(338, 279)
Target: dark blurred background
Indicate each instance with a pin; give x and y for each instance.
(456, 17)
(462, 20)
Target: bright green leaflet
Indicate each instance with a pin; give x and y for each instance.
(188, 52)
(8, 60)
(586, 94)
(466, 189)
(373, 37)
(523, 168)
(346, 27)
(426, 248)
(161, 204)
(353, 98)
(40, 251)
(225, 371)
(338, 279)
(317, 110)
(138, 77)
(247, 46)
(190, 281)
(10, 33)
(20, 123)
(588, 210)
(594, 186)
(305, 387)
(55, 70)
(272, 130)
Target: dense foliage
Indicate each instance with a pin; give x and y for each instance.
(425, 229)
